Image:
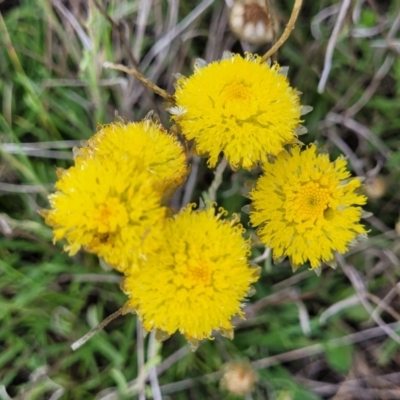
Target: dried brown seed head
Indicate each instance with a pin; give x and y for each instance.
(250, 20)
(239, 378)
(375, 187)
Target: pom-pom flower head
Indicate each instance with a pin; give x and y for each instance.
(307, 206)
(239, 106)
(161, 153)
(196, 281)
(106, 207)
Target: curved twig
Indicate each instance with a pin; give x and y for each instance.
(286, 33)
(130, 71)
(92, 332)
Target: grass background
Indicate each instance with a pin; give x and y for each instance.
(308, 337)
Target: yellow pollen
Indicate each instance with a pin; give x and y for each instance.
(311, 201)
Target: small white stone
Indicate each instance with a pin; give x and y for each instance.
(227, 55)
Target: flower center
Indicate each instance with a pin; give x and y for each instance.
(235, 92)
(237, 101)
(311, 201)
(200, 274)
(110, 215)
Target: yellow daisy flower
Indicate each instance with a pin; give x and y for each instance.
(239, 106)
(106, 207)
(307, 206)
(161, 153)
(197, 280)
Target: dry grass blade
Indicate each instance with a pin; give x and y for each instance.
(361, 293)
(331, 45)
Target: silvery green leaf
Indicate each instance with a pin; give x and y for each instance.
(332, 263)
(226, 55)
(76, 151)
(353, 243)
(246, 209)
(362, 237)
(178, 75)
(104, 265)
(278, 260)
(250, 183)
(199, 63)
(160, 335)
(228, 333)
(202, 205)
(317, 271)
(256, 269)
(294, 266)
(119, 118)
(366, 214)
(305, 110)
(283, 71)
(193, 344)
(300, 130)
(251, 292)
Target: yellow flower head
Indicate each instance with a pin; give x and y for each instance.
(161, 153)
(197, 280)
(239, 106)
(106, 207)
(307, 207)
